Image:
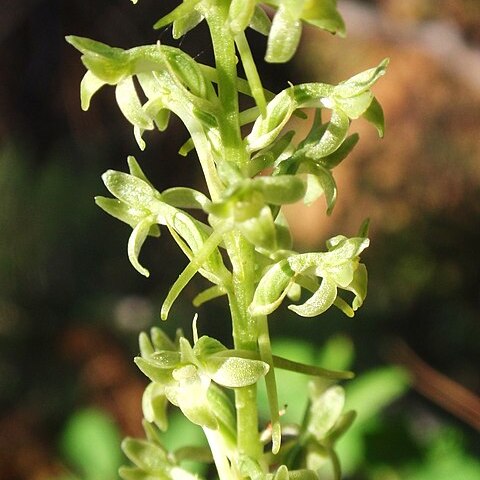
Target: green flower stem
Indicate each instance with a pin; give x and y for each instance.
(244, 332)
(241, 252)
(225, 62)
(251, 72)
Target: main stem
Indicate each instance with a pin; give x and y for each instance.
(241, 252)
(245, 337)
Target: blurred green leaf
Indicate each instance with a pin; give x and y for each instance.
(372, 391)
(337, 353)
(90, 442)
(182, 433)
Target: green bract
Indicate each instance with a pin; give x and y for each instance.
(237, 238)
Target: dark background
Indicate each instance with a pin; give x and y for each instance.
(71, 306)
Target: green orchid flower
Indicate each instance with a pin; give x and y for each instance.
(339, 268)
(183, 375)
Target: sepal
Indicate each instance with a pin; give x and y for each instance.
(260, 21)
(154, 405)
(361, 82)
(287, 28)
(235, 372)
(89, 86)
(109, 64)
(374, 115)
(285, 33)
(266, 128)
(185, 8)
(240, 14)
(183, 24)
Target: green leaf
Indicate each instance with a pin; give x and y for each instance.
(337, 353)
(371, 392)
(235, 372)
(89, 443)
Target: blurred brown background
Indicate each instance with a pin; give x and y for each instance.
(71, 306)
